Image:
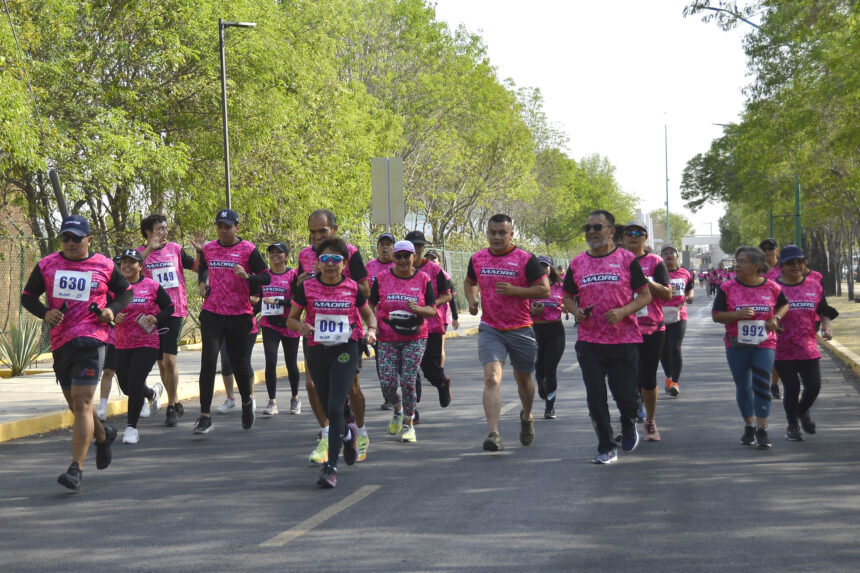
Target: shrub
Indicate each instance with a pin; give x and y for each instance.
(20, 346)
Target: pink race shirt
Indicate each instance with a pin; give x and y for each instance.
(605, 282)
(679, 280)
(798, 340)
(375, 268)
(228, 294)
(435, 324)
(552, 306)
(129, 334)
(394, 293)
(164, 266)
(504, 312)
(77, 283)
(330, 308)
(279, 288)
(773, 273)
(651, 317)
(308, 261)
(762, 299)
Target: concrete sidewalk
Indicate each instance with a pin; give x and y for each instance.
(34, 404)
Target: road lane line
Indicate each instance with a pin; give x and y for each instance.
(572, 367)
(283, 538)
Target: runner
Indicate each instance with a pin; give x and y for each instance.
(76, 284)
(675, 318)
(137, 340)
(322, 225)
(384, 260)
(604, 289)
(277, 297)
(228, 377)
(507, 277)
(650, 320)
(751, 307)
(797, 353)
(449, 309)
(235, 267)
(332, 328)
(550, 337)
(166, 263)
(431, 364)
(402, 299)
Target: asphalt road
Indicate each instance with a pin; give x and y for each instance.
(235, 500)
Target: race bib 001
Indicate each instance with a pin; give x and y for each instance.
(331, 329)
(167, 277)
(273, 309)
(72, 285)
(751, 332)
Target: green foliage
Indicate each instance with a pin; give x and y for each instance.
(20, 346)
(679, 226)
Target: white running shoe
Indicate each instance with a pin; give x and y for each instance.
(130, 436)
(228, 405)
(144, 410)
(271, 408)
(101, 413)
(295, 406)
(155, 403)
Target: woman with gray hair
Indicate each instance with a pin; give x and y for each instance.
(751, 306)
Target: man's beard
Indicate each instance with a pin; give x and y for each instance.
(597, 243)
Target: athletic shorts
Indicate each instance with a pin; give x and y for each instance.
(110, 358)
(76, 366)
(495, 345)
(169, 341)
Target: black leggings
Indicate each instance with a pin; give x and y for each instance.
(271, 340)
(133, 365)
(791, 372)
(550, 347)
(234, 332)
(431, 364)
(650, 350)
(332, 369)
(671, 359)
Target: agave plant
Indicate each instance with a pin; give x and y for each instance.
(20, 346)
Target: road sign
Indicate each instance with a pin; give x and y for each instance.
(388, 206)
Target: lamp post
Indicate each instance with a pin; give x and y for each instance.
(666, 150)
(222, 25)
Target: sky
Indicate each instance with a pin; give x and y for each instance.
(612, 74)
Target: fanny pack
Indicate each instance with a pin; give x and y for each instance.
(403, 322)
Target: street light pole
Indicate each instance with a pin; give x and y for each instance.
(222, 25)
(666, 149)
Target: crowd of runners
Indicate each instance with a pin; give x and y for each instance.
(122, 316)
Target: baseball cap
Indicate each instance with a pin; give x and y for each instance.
(544, 260)
(132, 254)
(790, 252)
(400, 246)
(228, 216)
(76, 225)
(388, 236)
(768, 244)
(668, 248)
(431, 253)
(278, 246)
(637, 223)
(416, 238)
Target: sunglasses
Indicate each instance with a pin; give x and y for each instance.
(334, 259)
(73, 238)
(598, 227)
(403, 255)
(635, 233)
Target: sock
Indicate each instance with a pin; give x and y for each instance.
(324, 432)
(103, 403)
(362, 432)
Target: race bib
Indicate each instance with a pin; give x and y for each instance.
(751, 332)
(678, 287)
(671, 314)
(644, 310)
(72, 285)
(167, 277)
(273, 309)
(331, 329)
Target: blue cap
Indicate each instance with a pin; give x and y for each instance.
(387, 236)
(544, 260)
(76, 225)
(132, 254)
(228, 216)
(278, 246)
(790, 252)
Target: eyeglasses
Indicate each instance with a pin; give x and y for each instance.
(73, 238)
(403, 255)
(794, 262)
(635, 233)
(333, 259)
(598, 227)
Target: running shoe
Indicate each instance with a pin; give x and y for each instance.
(362, 443)
(350, 452)
(130, 436)
(172, 419)
(249, 414)
(651, 433)
(549, 414)
(629, 438)
(203, 425)
(271, 408)
(749, 436)
(807, 423)
(673, 389)
(320, 453)
(155, 401)
(640, 416)
(328, 476)
(72, 477)
(792, 432)
(180, 409)
(408, 434)
(445, 392)
(386, 406)
(493, 443)
(761, 439)
(101, 412)
(396, 423)
(295, 406)
(145, 410)
(606, 457)
(104, 455)
(774, 391)
(527, 430)
(228, 405)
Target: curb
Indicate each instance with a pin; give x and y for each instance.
(186, 391)
(849, 358)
